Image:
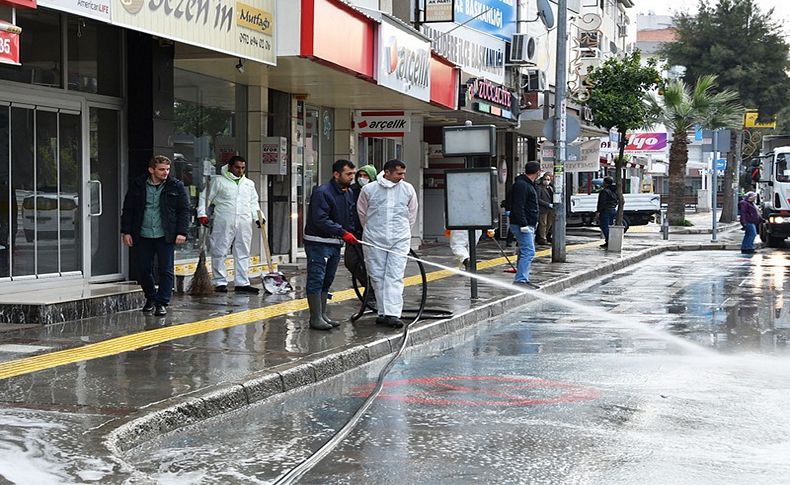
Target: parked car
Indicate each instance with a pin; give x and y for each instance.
(40, 211)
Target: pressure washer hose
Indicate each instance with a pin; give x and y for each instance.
(311, 461)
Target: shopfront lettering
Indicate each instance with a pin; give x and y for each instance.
(493, 93)
(412, 66)
(480, 10)
(467, 53)
(195, 11)
(96, 7)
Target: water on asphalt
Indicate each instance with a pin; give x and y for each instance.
(544, 395)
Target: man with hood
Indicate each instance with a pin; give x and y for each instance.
(236, 206)
(352, 258)
(387, 210)
(606, 210)
(524, 220)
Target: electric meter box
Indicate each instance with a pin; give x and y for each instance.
(470, 198)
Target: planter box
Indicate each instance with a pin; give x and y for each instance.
(616, 234)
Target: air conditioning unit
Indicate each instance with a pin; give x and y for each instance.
(522, 49)
(534, 80)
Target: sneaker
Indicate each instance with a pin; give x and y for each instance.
(604, 246)
(528, 284)
(160, 310)
(246, 289)
(221, 289)
(393, 322)
(149, 306)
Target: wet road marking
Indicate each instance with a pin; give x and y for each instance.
(481, 391)
(148, 338)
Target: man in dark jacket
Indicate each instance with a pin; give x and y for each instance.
(330, 221)
(546, 203)
(155, 218)
(524, 220)
(607, 208)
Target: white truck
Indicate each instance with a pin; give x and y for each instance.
(773, 187)
(639, 209)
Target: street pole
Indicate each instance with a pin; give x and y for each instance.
(472, 240)
(714, 184)
(558, 251)
(736, 183)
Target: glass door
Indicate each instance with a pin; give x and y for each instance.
(40, 191)
(104, 134)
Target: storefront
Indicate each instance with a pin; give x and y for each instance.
(99, 87)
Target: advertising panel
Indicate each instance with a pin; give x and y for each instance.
(241, 29)
(495, 17)
(486, 97)
(438, 11)
(477, 54)
(94, 9)
(274, 155)
(404, 61)
(646, 142)
(9, 47)
(382, 123)
(589, 158)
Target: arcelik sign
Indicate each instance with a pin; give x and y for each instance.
(9, 44)
(404, 62)
(491, 98)
(382, 123)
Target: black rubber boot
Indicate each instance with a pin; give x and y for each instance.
(324, 315)
(316, 321)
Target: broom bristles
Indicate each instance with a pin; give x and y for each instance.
(201, 280)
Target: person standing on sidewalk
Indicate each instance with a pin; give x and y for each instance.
(749, 220)
(330, 221)
(546, 203)
(353, 257)
(387, 210)
(235, 202)
(524, 219)
(155, 218)
(607, 208)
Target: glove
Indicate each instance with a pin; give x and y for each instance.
(203, 220)
(258, 223)
(528, 230)
(551, 206)
(507, 213)
(350, 238)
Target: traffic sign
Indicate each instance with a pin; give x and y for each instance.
(572, 128)
(721, 164)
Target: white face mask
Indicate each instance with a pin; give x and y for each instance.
(362, 181)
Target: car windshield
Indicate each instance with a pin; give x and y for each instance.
(782, 174)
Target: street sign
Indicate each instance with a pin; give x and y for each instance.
(9, 48)
(720, 164)
(572, 128)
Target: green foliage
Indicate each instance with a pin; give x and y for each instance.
(681, 107)
(740, 43)
(200, 120)
(618, 90)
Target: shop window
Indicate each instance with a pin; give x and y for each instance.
(39, 49)
(210, 127)
(94, 57)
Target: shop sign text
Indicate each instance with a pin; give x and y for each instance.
(495, 17)
(95, 9)
(497, 99)
(382, 123)
(478, 54)
(9, 48)
(404, 62)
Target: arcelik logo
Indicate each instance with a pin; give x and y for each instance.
(412, 67)
(132, 6)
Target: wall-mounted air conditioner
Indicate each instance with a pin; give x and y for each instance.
(522, 49)
(534, 80)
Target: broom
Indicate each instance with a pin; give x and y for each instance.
(201, 281)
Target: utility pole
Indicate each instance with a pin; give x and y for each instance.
(558, 251)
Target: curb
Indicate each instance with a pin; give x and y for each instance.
(170, 415)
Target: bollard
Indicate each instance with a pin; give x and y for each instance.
(664, 225)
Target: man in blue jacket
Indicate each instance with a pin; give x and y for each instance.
(155, 218)
(330, 221)
(524, 220)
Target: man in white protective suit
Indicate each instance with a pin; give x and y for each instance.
(459, 245)
(235, 203)
(387, 209)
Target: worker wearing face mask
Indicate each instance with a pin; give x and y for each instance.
(387, 209)
(352, 258)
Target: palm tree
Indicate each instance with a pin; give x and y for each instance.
(680, 109)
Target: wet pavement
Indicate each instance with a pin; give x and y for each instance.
(544, 395)
(54, 418)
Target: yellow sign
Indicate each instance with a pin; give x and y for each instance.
(254, 19)
(750, 120)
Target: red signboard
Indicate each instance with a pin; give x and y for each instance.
(9, 48)
(337, 34)
(19, 3)
(444, 82)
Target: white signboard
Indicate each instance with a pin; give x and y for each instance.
(94, 9)
(274, 155)
(439, 10)
(240, 29)
(589, 160)
(478, 54)
(382, 123)
(608, 146)
(404, 61)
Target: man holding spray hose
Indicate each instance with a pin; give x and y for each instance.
(387, 209)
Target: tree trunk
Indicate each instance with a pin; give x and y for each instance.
(728, 186)
(618, 178)
(678, 157)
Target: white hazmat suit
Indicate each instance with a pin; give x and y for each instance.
(459, 243)
(387, 211)
(235, 208)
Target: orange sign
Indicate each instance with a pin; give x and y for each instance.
(9, 48)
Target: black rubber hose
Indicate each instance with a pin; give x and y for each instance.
(311, 461)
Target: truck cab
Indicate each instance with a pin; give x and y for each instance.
(774, 190)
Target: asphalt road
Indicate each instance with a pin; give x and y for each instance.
(612, 395)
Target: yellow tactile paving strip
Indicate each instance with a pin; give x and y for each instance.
(147, 338)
